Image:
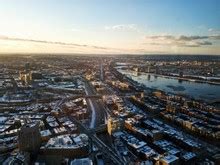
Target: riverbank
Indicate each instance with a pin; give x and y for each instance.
(192, 89)
(186, 78)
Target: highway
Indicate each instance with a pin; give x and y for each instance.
(95, 106)
(98, 118)
(102, 147)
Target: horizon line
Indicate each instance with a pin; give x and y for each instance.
(112, 54)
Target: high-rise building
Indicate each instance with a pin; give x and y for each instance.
(26, 75)
(148, 69)
(27, 67)
(29, 138)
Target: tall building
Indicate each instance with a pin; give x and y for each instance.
(148, 69)
(29, 138)
(26, 75)
(27, 67)
(113, 125)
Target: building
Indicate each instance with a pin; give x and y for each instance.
(83, 161)
(169, 160)
(17, 158)
(148, 69)
(29, 138)
(65, 146)
(170, 108)
(25, 77)
(159, 93)
(27, 66)
(113, 125)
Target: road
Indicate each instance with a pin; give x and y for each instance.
(95, 106)
(98, 118)
(106, 150)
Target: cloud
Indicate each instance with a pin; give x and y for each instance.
(210, 29)
(77, 47)
(205, 43)
(191, 38)
(215, 37)
(51, 42)
(123, 27)
(178, 38)
(182, 40)
(215, 32)
(196, 44)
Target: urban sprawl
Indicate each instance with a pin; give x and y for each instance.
(84, 109)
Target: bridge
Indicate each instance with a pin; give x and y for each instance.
(80, 93)
(214, 101)
(84, 96)
(93, 96)
(99, 96)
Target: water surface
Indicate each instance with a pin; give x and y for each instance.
(196, 90)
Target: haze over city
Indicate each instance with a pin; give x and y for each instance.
(110, 27)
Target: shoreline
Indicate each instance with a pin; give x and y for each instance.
(185, 95)
(177, 78)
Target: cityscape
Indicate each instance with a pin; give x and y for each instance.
(118, 82)
(98, 110)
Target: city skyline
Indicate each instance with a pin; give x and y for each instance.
(110, 27)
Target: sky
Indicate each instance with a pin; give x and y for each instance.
(110, 26)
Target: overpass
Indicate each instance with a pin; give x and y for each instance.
(79, 93)
(93, 96)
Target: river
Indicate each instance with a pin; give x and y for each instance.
(203, 91)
